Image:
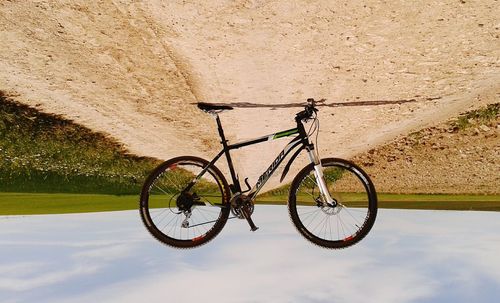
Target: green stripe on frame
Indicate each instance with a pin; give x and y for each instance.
(286, 133)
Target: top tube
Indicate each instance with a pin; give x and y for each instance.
(278, 135)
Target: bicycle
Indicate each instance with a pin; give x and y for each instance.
(186, 201)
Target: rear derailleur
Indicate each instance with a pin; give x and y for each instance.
(185, 202)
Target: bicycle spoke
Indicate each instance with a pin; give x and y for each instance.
(205, 218)
(159, 213)
(314, 217)
(347, 210)
(319, 223)
(310, 211)
(166, 216)
(161, 189)
(313, 180)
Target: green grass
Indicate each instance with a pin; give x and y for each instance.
(418, 201)
(441, 202)
(483, 115)
(44, 153)
(30, 204)
(35, 203)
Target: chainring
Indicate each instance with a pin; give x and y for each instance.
(240, 202)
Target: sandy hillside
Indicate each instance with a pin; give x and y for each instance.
(132, 69)
(459, 156)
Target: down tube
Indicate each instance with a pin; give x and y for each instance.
(272, 168)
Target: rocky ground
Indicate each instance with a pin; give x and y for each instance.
(459, 156)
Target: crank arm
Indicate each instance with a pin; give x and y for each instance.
(247, 216)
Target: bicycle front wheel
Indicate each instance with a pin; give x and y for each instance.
(330, 226)
(182, 214)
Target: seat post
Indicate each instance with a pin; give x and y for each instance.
(221, 131)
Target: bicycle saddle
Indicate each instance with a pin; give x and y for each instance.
(208, 107)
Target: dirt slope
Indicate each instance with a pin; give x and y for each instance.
(90, 62)
(459, 156)
(131, 69)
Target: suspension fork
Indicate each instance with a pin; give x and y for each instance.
(320, 178)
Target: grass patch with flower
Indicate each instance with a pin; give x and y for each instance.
(44, 153)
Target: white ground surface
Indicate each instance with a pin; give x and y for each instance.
(410, 256)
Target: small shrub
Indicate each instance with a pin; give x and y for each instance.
(485, 115)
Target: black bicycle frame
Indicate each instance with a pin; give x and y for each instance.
(301, 141)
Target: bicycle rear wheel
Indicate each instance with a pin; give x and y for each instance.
(328, 226)
(181, 215)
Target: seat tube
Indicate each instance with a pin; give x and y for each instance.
(236, 182)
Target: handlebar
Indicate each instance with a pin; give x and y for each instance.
(308, 111)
